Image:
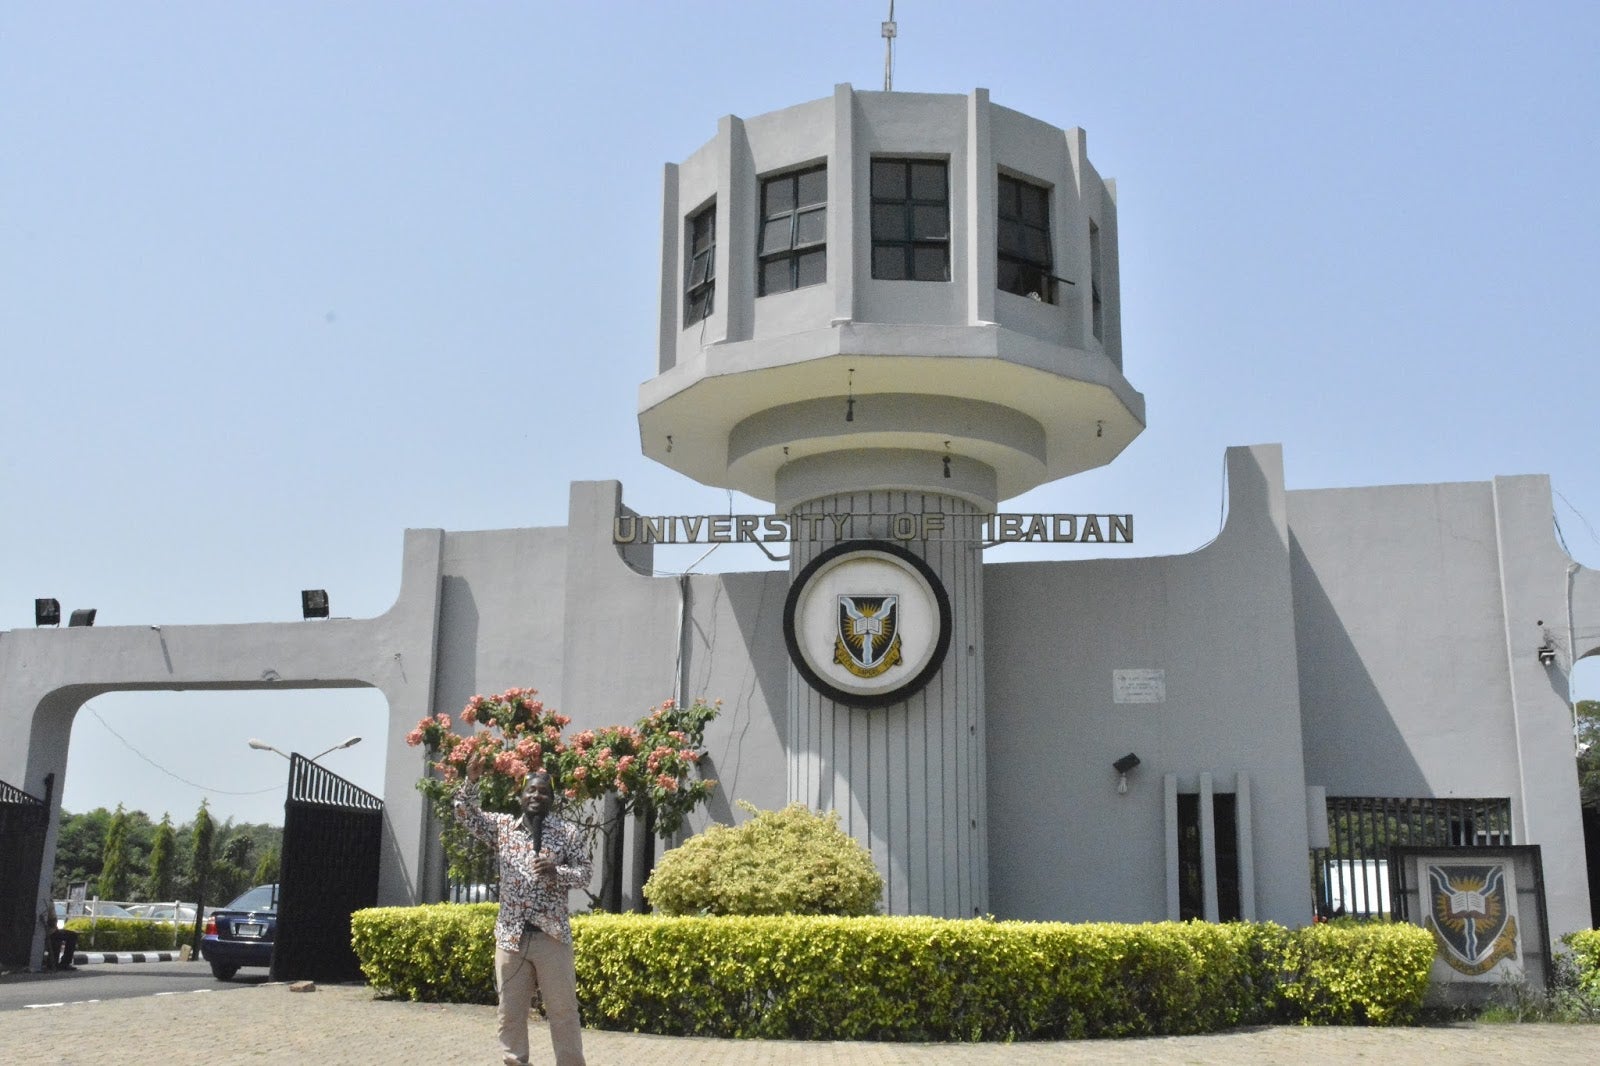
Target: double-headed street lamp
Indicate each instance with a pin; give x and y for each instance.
(261, 745)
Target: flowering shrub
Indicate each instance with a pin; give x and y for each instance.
(649, 765)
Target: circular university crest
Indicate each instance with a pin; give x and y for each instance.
(867, 623)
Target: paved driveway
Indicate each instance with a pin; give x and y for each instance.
(345, 1025)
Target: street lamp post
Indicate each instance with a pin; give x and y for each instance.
(348, 742)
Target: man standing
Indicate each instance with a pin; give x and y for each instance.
(542, 857)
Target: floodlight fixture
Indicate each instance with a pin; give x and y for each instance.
(46, 612)
(314, 603)
(1122, 766)
(83, 616)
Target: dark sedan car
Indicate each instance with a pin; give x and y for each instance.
(242, 933)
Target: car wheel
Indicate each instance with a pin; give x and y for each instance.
(223, 971)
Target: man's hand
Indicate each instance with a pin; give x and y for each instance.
(544, 864)
(474, 769)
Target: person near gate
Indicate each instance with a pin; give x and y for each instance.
(60, 945)
(542, 857)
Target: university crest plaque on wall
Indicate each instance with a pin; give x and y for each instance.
(1485, 906)
(1470, 915)
(867, 623)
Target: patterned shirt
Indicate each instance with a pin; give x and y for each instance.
(524, 896)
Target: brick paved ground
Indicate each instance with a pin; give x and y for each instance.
(345, 1025)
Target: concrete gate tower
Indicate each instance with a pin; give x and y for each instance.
(885, 313)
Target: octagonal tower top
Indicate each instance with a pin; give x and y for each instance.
(885, 290)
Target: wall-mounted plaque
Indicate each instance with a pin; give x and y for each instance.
(867, 623)
(1485, 907)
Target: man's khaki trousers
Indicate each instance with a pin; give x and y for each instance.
(544, 964)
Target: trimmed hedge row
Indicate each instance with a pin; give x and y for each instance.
(124, 934)
(1585, 945)
(925, 979)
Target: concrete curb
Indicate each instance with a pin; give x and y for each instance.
(85, 958)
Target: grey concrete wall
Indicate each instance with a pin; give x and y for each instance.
(1419, 610)
(1402, 641)
(1064, 844)
(46, 675)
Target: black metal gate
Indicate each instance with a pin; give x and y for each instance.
(332, 836)
(24, 820)
(1351, 875)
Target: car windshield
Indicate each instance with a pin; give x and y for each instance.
(260, 898)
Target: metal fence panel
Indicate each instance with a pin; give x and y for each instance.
(1351, 875)
(332, 836)
(23, 822)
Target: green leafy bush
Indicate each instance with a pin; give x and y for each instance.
(1585, 946)
(926, 979)
(123, 934)
(873, 978)
(1367, 973)
(791, 861)
(443, 952)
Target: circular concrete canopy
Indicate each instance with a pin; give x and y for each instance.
(1032, 411)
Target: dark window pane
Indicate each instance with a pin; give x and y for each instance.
(1035, 204)
(888, 179)
(889, 222)
(1008, 277)
(930, 223)
(775, 276)
(1191, 901)
(1038, 247)
(697, 305)
(1009, 191)
(775, 235)
(811, 227)
(813, 267)
(1012, 239)
(927, 181)
(1225, 812)
(777, 195)
(703, 229)
(699, 270)
(930, 263)
(813, 187)
(889, 262)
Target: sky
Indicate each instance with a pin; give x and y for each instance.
(278, 282)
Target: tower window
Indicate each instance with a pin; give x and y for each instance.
(1097, 302)
(794, 231)
(699, 264)
(1025, 265)
(910, 220)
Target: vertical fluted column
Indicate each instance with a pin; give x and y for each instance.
(907, 779)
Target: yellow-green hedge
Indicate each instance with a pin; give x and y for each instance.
(879, 978)
(124, 934)
(1585, 945)
(442, 953)
(1367, 973)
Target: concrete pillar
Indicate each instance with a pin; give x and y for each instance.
(907, 779)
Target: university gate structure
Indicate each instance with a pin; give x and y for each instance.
(886, 314)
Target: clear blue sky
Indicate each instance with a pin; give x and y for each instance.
(280, 281)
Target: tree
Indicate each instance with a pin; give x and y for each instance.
(114, 860)
(200, 863)
(648, 769)
(200, 850)
(267, 868)
(1588, 738)
(80, 847)
(159, 885)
